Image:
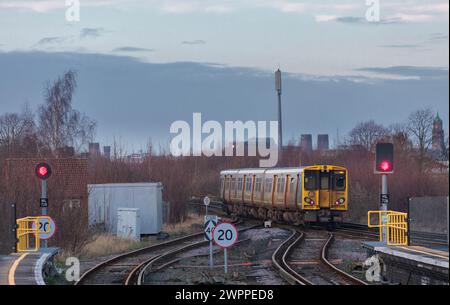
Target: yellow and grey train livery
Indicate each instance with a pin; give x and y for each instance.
(296, 195)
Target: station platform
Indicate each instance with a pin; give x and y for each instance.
(412, 264)
(25, 268)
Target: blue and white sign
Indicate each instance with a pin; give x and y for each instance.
(225, 234)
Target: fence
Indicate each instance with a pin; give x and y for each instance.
(429, 215)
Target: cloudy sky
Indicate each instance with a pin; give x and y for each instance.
(309, 36)
(144, 64)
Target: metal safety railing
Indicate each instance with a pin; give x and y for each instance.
(395, 224)
(28, 230)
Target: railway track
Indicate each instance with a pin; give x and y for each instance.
(117, 269)
(312, 254)
(124, 269)
(159, 262)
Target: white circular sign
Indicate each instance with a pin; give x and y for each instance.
(206, 200)
(225, 234)
(47, 228)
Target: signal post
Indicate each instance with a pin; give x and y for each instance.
(384, 165)
(43, 171)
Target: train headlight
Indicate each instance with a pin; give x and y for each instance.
(309, 201)
(340, 201)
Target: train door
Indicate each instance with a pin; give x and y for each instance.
(324, 191)
(274, 191)
(290, 191)
(298, 192)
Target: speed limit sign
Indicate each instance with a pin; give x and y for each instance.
(225, 234)
(47, 227)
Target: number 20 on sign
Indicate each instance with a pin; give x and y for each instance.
(225, 235)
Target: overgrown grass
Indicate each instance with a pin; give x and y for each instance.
(107, 244)
(189, 224)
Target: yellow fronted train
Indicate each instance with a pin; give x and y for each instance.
(297, 195)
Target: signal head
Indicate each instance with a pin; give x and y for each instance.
(43, 171)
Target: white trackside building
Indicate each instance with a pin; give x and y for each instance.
(105, 200)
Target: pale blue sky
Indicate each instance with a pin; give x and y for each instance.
(317, 37)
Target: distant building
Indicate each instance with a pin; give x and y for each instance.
(66, 152)
(306, 142)
(438, 143)
(323, 142)
(107, 152)
(94, 149)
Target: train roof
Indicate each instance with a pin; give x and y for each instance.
(279, 170)
(262, 170)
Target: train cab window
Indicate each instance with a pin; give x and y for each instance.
(325, 181)
(311, 178)
(339, 181)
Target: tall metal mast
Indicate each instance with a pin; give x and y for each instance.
(280, 123)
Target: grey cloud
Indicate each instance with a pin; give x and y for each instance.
(133, 99)
(400, 46)
(438, 36)
(410, 71)
(193, 42)
(361, 20)
(51, 40)
(132, 49)
(92, 32)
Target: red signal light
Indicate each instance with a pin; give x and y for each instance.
(385, 166)
(43, 171)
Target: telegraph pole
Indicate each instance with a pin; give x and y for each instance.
(280, 123)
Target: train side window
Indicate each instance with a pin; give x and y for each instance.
(311, 180)
(239, 186)
(248, 184)
(280, 185)
(268, 187)
(258, 185)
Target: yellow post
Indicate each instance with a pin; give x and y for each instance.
(27, 231)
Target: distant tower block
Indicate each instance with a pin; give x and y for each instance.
(306, 142)
(107, 152)
(94, 149)
(323, 142)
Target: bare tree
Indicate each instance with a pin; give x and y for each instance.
(400, 137)
(14, 128)
(367, 134)
(59, 124)
(420, 128)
